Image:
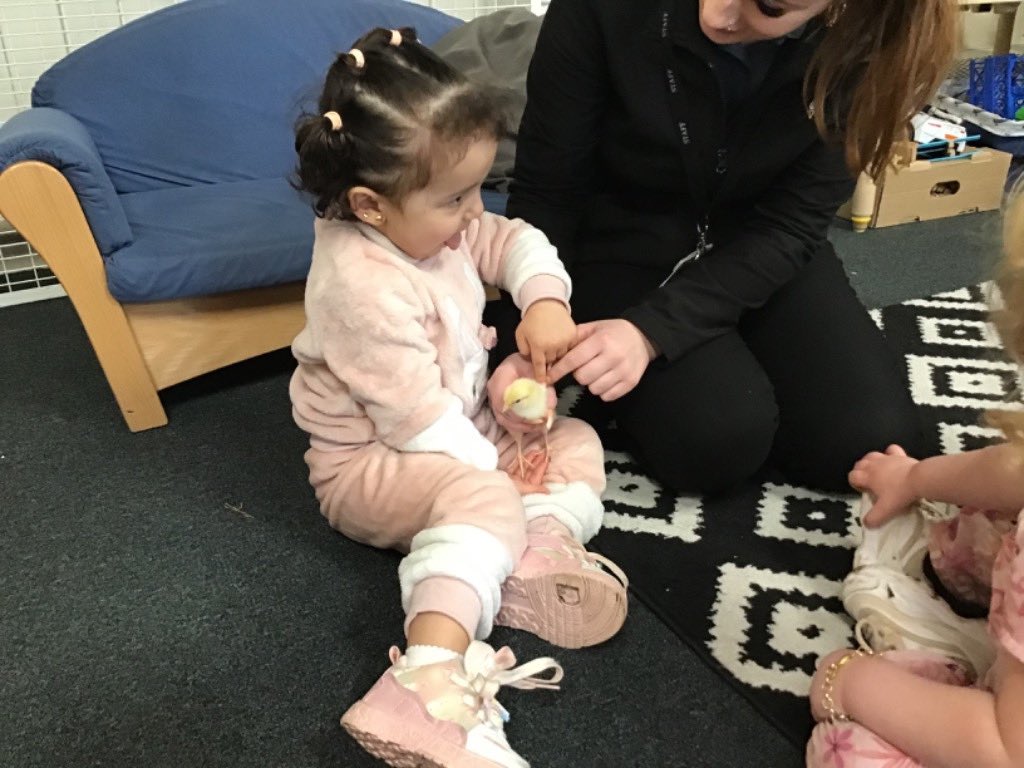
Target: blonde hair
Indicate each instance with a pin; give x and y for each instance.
(1009, 316)
(879, 63)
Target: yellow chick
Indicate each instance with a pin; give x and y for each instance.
(528, 399)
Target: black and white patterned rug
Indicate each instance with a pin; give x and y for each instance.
(751, 581)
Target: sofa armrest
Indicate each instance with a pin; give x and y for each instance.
(56, 138)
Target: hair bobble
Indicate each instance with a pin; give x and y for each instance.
(334, 119)
(356, 54)
(396, 38)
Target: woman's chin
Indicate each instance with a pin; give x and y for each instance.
(721, 36)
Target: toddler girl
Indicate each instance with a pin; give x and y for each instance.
(406, 451)
(914, 706)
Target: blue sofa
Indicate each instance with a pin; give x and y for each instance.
(151, 174)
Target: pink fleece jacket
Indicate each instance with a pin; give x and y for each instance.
(394, 349)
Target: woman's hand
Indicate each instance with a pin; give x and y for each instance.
(609, 358)
(886, 476)
(546, 332)
(513, 367)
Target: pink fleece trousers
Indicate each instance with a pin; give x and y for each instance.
(464, 529)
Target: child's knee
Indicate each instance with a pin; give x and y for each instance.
(576, 454)
(576, 505)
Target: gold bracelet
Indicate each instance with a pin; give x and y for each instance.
(828, 703)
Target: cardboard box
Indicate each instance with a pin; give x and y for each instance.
(922, 190)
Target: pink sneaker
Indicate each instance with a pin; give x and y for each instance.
(564, 594)
(445, 715)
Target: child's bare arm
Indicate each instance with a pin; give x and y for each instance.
(989, 478)
(939, 725)
(1008, 683)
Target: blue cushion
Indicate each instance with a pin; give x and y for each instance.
(217, 237)
(495, 201)
(191, 241)
(208, 91)
(56, 138)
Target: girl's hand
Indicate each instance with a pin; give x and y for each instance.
(513, 367)
(546, 332)
(609, 358)
(534, 480)
(886, 476)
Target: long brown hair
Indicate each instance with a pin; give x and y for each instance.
(879, 63)
(1008, 315)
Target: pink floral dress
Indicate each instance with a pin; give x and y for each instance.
(978, 558)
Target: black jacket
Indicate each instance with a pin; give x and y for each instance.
(626, 146)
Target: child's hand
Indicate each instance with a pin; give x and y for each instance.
(547, 332)
(513, 367)
(533, 482)
(886, 476)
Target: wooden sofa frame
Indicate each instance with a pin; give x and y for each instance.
(145, 347)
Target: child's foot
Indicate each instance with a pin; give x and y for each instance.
(896, 611)
(445, 715)
(563, 593)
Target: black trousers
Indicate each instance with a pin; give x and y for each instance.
(806, 384)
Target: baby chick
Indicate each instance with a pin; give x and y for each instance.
(528, 399)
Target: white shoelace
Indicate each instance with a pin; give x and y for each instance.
(487, 670)
(937, 511)
(885, 639)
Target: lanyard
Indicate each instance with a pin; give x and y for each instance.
(703, 180)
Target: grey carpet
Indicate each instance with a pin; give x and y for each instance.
(173, 598)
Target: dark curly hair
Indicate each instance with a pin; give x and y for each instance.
(403, 111)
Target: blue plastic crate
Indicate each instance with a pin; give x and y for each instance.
(996, 84)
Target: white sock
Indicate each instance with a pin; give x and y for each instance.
(422, 655)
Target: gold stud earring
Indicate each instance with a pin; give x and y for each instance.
(834, 12)
(380, 218)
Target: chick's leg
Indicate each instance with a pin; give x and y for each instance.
(539, 458)
(523, 463)
(547, 426)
